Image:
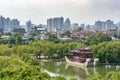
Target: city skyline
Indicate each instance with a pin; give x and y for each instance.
(78, 11)
(54, 25)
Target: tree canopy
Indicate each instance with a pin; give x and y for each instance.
(96, 39)
(107, 52)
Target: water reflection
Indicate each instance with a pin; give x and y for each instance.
(117, 67)
(81, 73)
(85, 69)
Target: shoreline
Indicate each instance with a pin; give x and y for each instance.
(63, 60)
(54, 60)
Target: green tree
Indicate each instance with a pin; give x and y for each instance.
(107, 52)
(96, 39)
(67, 33)
(12, 40)
(18, 39)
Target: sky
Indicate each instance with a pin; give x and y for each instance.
(78, 11)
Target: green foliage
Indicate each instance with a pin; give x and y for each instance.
(15, 39)
(12, 40)
(59, 78)
(18, 39)
(23, 73)
(52, 49)
(33, 34)
(113, 76)
(24, 67)
(68, 34)
(4, 41)
(17, 62)
(117, 36)
(109, 76)
(73, 78)
(53, 38)
(21, 67)
(107, 52)
(95, 77)
(32, 38)
(95, 39)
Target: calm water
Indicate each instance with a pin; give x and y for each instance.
(68, 71)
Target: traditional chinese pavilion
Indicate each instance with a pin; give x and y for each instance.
(81, 55)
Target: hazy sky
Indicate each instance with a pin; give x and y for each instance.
(80, 11)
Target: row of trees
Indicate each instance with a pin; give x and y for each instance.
(19, 64)
(46, 48)
(96, 39)
(15, 39)
(15, 66)
(51, 49)
(107, 52)
(16, 61)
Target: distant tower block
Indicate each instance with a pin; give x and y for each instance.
(29, 25)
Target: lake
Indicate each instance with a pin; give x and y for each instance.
(67, 71)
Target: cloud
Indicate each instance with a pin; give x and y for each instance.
(105, 4)
(80, 3)
(78, 10)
